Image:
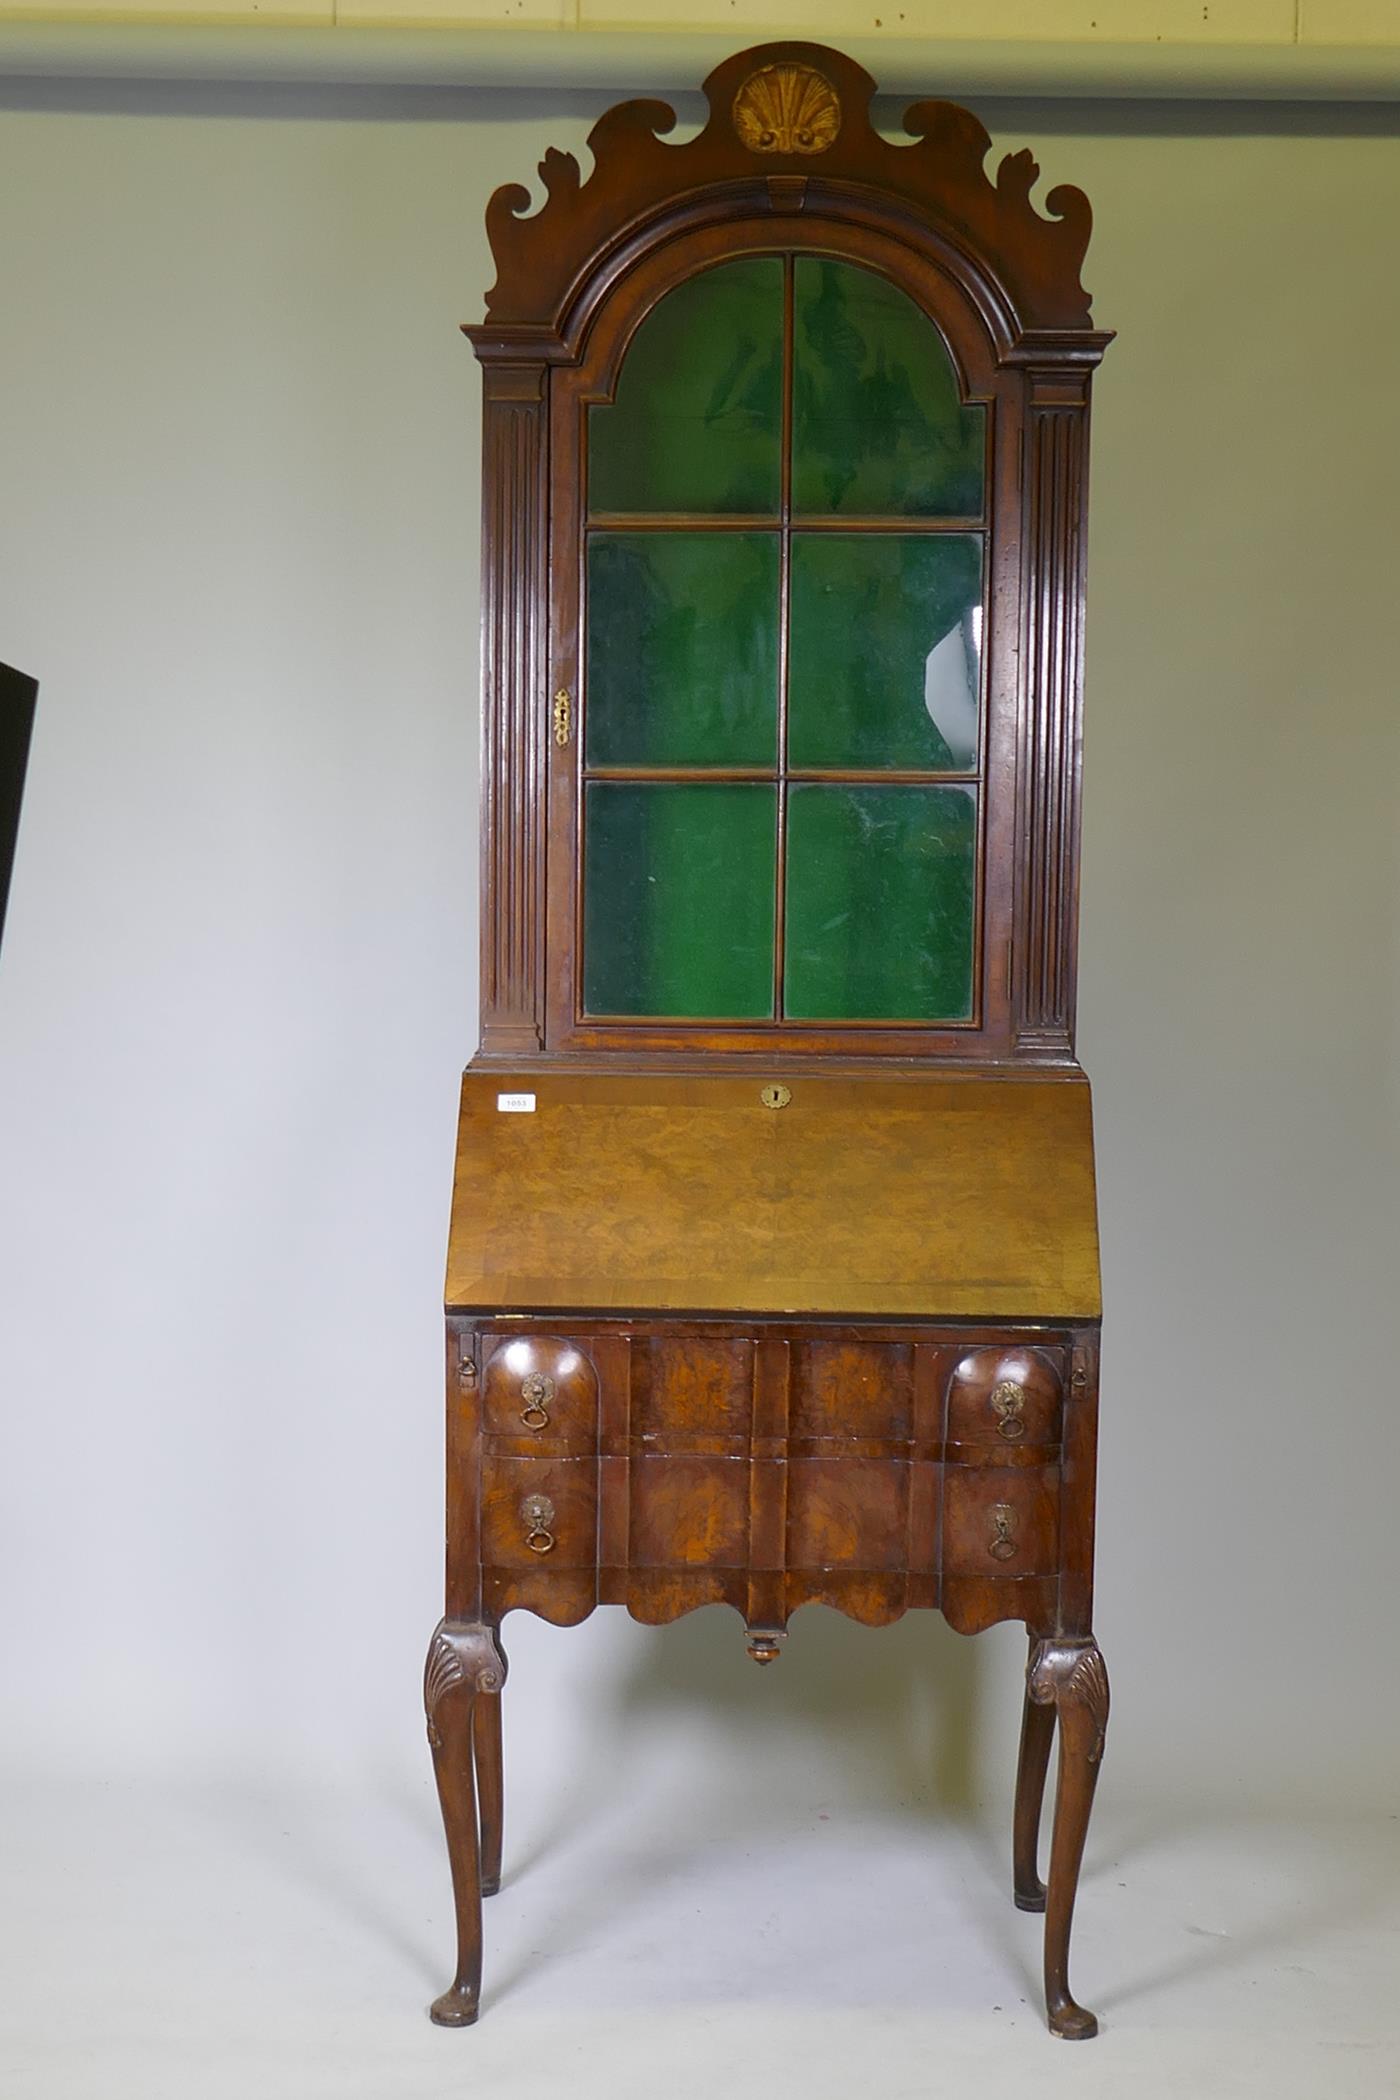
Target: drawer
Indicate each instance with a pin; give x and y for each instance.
(539, 1512)
(537, 1385)
(1001, 1520)
(848, 1513)
(691, 1385)
(1003, 1397)
(852, 1389)
(688, 1511)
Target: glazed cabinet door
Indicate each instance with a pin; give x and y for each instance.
(784, 623)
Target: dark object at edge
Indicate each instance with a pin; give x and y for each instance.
(18, 694)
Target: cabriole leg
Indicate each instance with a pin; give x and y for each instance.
(490, 1780)
(1037, 1733)
(1069, 1676)
(465, 1670)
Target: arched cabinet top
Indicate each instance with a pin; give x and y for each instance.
(789, 134)
(890, 668)
(940, 297)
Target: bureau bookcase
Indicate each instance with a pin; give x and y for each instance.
(773, 1275)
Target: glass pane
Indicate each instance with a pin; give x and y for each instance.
(878, 427)
(682, 649)
(678, 900)
(880, 887)
(697, 421)
(886, 650)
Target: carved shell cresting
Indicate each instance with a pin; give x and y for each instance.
(787, 109)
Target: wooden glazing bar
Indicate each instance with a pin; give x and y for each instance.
(834, 776)
(839, 1022)
(928, 526)
(681, 521)
(784, 649)
(721, 774)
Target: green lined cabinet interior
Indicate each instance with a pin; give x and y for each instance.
(784, 591)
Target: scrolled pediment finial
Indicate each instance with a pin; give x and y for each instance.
(780, 113)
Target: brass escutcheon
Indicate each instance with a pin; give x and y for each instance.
(563, 715)
(537, 1514)
(775, 1096)
(536, 1390)
(1008, 1399)
(1003, 1544)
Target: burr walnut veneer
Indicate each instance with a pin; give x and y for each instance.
(773, 1275)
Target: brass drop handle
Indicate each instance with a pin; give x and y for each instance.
(537, 1514)
(1008, 1400)
(536, 1390)
(1003, 1542)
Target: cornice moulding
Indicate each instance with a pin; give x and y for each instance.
(618, 60)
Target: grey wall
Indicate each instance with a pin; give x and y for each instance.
(238, 543)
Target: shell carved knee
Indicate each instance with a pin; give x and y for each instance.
(1071, 1674)
(460, 1658)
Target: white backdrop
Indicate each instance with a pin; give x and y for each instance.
(238, 440)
